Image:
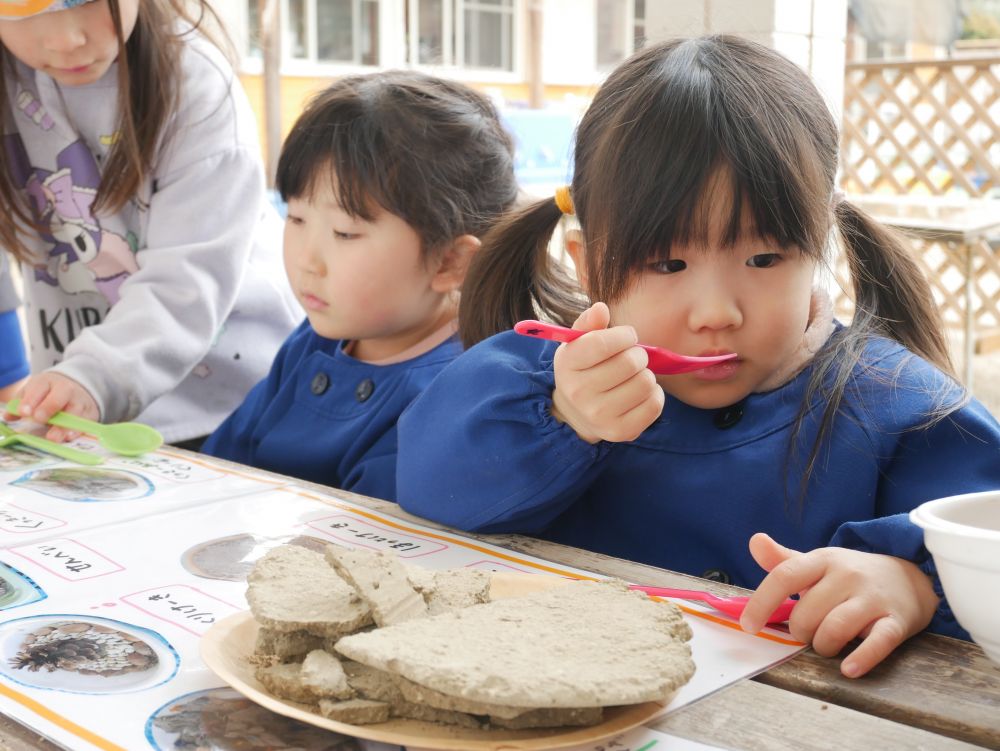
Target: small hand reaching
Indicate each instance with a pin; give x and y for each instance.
(843, 594)
(47, 393)
(604, 391)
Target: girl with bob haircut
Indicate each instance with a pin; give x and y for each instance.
(131, 176)
(704, 188)
(390, 180)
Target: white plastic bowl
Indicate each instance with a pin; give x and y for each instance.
(962, 532)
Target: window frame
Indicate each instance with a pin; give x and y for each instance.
(392, 30)
(630, 24)
(504, 12)
(310, 66)
(453, 27)
(311, 9)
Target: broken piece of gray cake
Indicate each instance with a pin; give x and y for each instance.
(293, 589)
(381, 581)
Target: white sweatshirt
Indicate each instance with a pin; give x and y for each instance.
(171, 309)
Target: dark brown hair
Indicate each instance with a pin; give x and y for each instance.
(430, 151)
(665, 127)
(148, 89)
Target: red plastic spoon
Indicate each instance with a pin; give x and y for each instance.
(661, 361)
(733, 606)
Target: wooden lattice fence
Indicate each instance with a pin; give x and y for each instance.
(931, 130)
(922, 126)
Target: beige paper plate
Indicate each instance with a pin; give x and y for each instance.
(228, 644)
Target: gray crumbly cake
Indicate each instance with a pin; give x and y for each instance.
(284, 681)
(355, 711)
(294, 589)
(381, 581)
(454, 589)
(319, 676)
(372, 683)
(585, 644)
(444, 653)
(420, 578)
(323, 674)
(379, 686)
(418, 694)
(272, 646)
(512, 718)
(550, 718)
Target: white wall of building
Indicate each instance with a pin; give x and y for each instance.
(812, 33)
(569, 42)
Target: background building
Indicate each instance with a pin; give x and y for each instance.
(541, 60)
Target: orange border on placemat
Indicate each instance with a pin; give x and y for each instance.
(56, 719)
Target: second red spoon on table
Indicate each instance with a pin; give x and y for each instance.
(732, 605)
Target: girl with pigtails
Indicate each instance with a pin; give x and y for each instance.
(704, 186)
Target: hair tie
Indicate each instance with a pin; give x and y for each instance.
(564, 200)
(15, 9)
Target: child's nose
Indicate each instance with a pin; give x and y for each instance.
(63, 33)
(64, 38)
(714, 308)
(310, 258)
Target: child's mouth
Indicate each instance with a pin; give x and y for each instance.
(77, 69)
(311, 302)
(719, 372)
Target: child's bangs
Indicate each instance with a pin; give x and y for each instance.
(708, 208)
(724, 209)
(353, 190)
(336, 152)
(699, 155)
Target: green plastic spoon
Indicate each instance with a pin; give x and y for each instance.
(125, 438)
(9, 435)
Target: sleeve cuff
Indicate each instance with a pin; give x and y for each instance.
(943, 622)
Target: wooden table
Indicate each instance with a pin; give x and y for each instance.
(933, 693)
(960, 229)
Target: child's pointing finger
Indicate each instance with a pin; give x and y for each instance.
(790, 572)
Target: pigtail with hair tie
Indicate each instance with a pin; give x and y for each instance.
(564, 200)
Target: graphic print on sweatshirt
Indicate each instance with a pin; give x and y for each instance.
(83, 257)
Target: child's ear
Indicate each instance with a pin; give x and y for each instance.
(454, 263)
(576, 250)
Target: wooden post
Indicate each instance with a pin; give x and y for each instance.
(270, 44)
(536, 88)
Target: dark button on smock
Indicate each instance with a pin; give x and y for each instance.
(728, 416)
(320, 383)
(364, 390)
(716, 575)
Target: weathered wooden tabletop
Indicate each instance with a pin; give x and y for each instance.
(933, 693)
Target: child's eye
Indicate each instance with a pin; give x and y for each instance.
(763, 260)
(668, 266)
(291, 219)
(345, 235)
